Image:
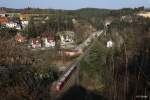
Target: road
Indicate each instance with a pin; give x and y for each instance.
(88, 41)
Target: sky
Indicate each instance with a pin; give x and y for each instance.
(74, 4)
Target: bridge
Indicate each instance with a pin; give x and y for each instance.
(70, 76)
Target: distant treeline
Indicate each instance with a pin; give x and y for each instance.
(94, 15)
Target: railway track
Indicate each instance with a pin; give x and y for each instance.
(70, 76)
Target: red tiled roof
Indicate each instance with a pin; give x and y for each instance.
(46, 34)
(36, 40)
(19, 38)
(50, 38)
(3, 20)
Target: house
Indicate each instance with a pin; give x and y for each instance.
(24, 17)
(3, 21)
(24, 20)
(49, 41)
(9, 23)
(127, 18)
(66, 39)
(13, 24)
(20, 38)
(18, 27)
(36, 43)
(2, 13)
(24, 23)
(109, 44)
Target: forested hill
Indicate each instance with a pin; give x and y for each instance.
(89, 11)
(94, 16)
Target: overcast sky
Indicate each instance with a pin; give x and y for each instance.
(74, 4)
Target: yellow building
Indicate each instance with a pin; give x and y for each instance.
(24, 17)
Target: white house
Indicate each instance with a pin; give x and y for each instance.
(2, 15)
(67, 39)
(109, 44)
(49, 42)
(11, 24)
(24, 23)
(36, 43)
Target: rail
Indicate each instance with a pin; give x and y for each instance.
(70, 77)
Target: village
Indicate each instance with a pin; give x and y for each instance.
(73, 54)
(47, 39)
